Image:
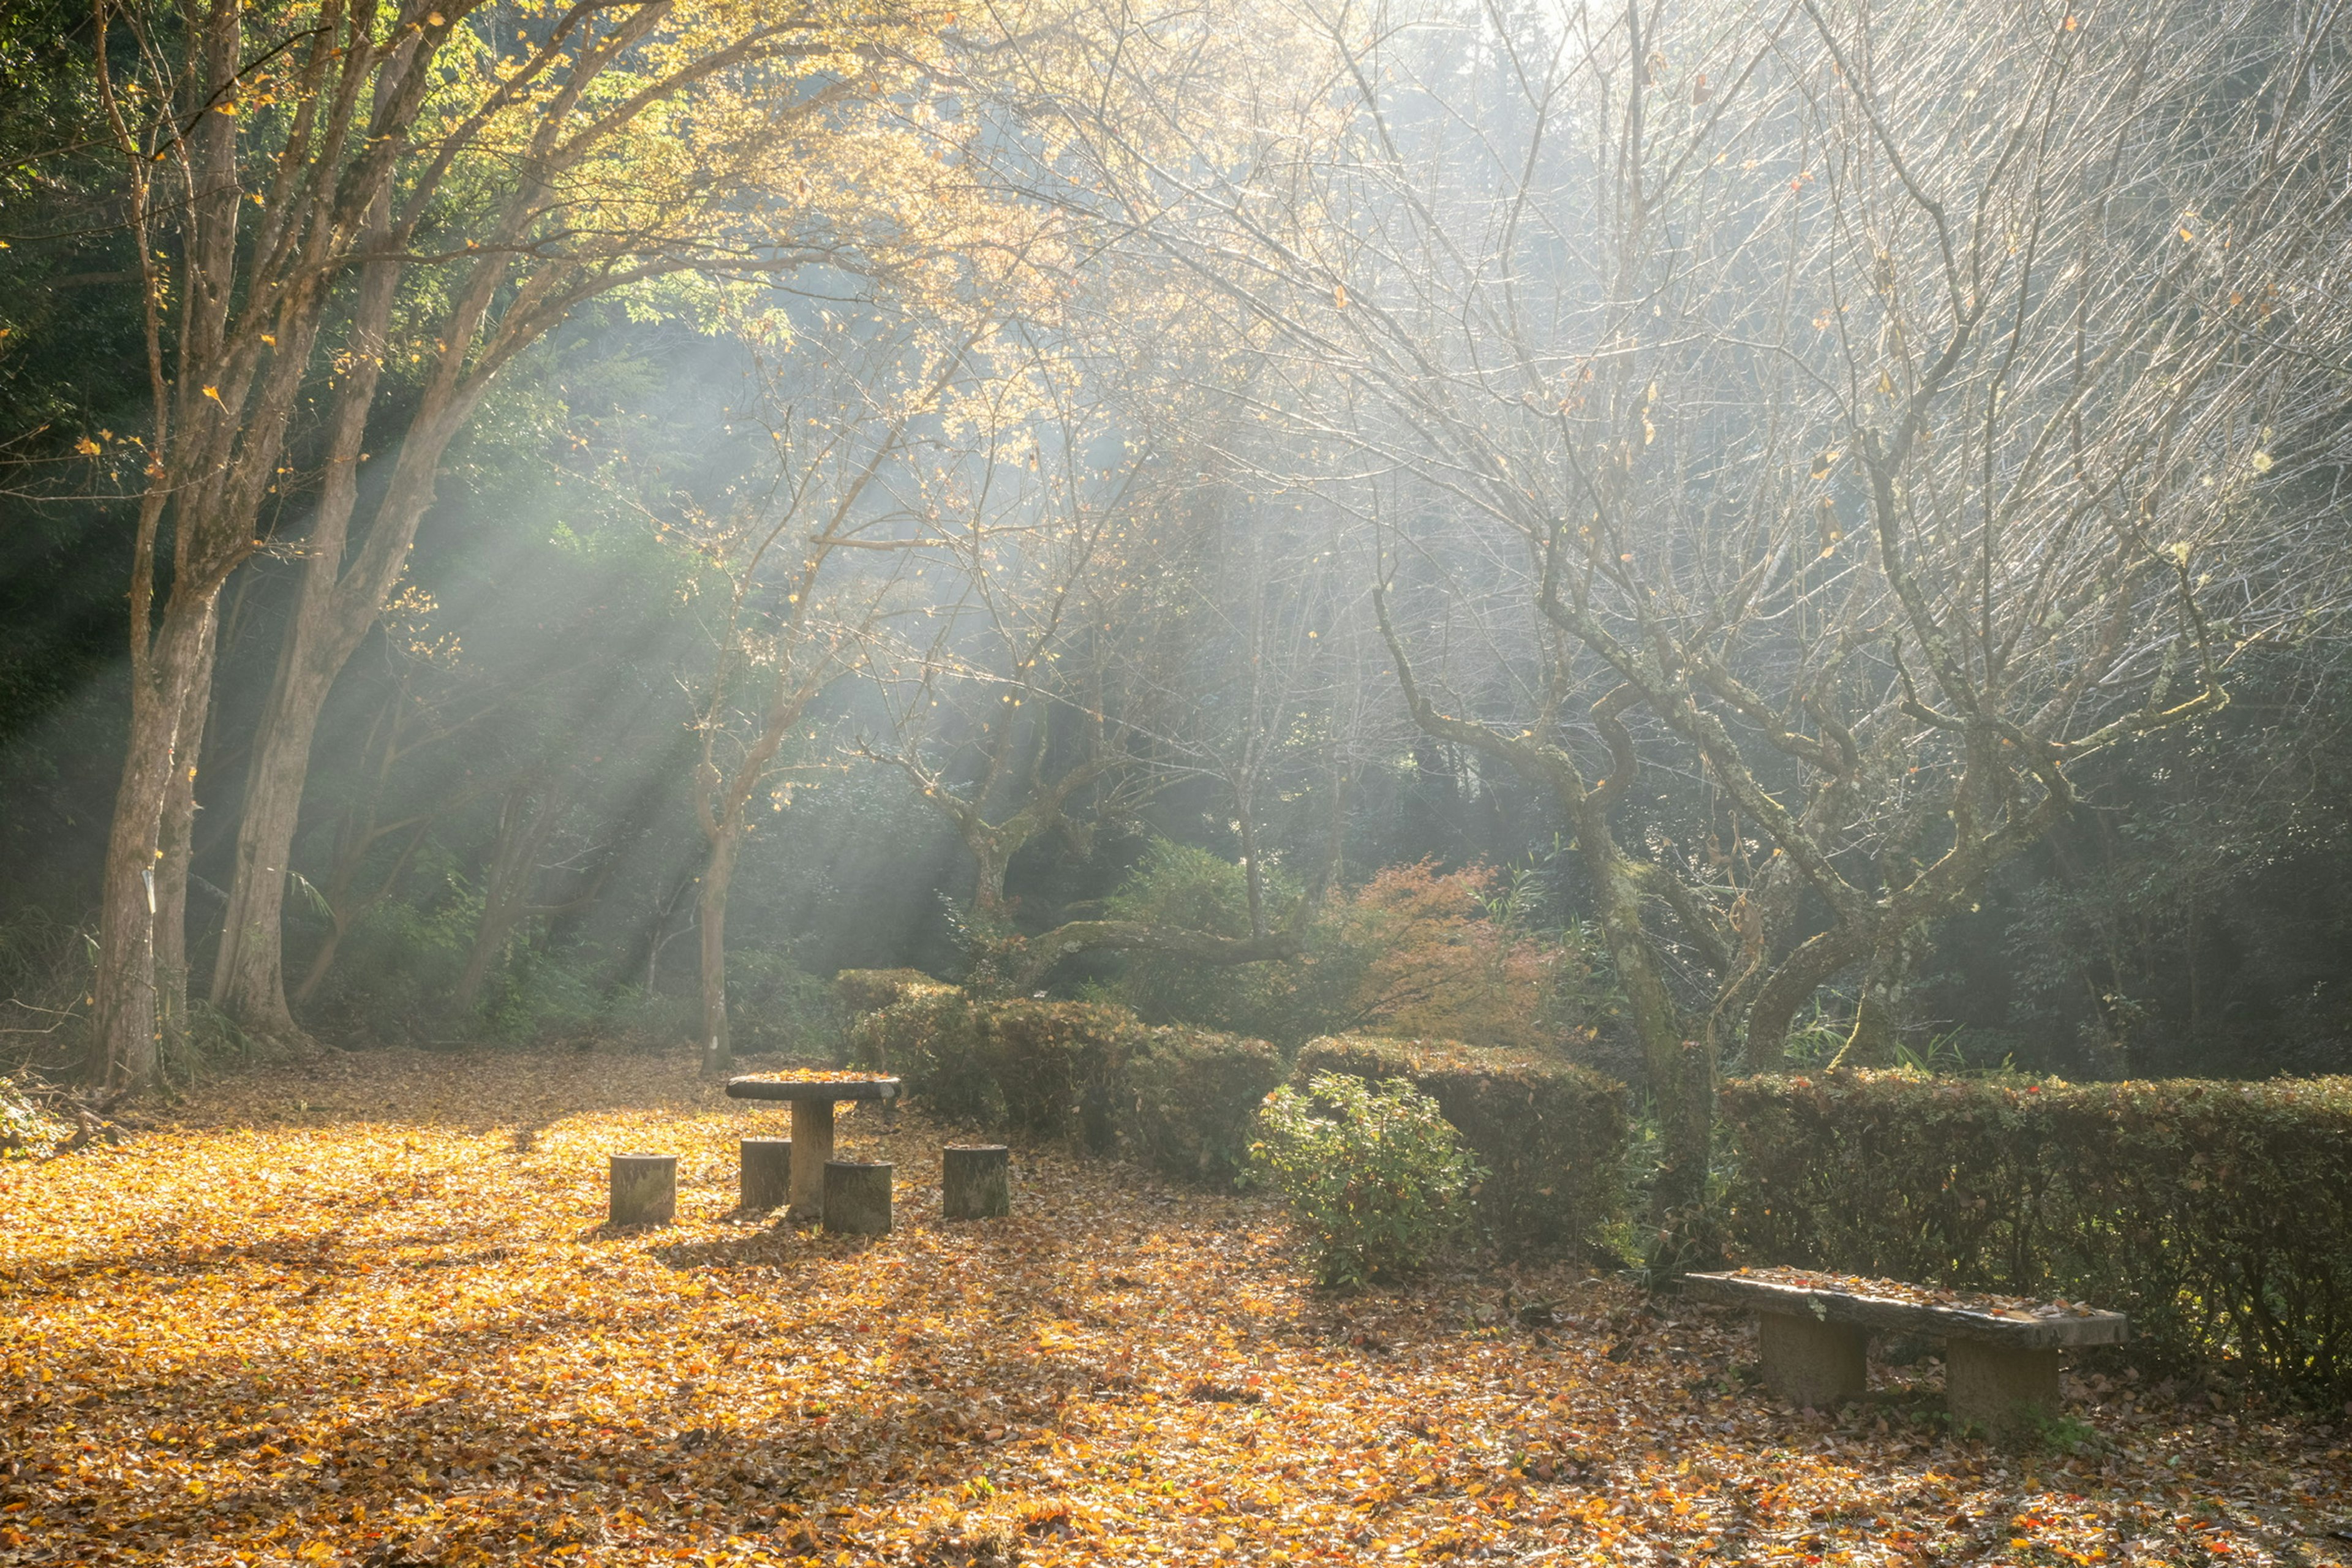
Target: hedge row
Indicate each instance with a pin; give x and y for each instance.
(1551, 1135)
(2217, 1215)
(1085, 1073)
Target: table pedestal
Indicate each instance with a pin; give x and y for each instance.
(811, 1147)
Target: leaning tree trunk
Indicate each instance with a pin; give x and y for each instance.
(249, 972)
(718, 1044)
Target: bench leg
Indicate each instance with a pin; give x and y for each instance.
(1808, 1362)
(2007, 1393)
(811, 1147)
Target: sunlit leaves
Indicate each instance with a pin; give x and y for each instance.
(366, 1311)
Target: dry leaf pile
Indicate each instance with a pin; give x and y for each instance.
(368, 1312)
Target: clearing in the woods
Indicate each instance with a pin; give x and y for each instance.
(368, 1312)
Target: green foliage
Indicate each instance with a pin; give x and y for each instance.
(2218, 1216)
(1374, 1174)
(1054, 1062)
(1552, 1135)
(1185, 1101)
(1181, 887)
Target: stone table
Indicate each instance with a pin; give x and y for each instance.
(813, 1099)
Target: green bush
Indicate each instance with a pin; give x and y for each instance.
(865, 990)
(1551, 1135)
(2218, 1216)
(1187, 1102)
(1374, 1174)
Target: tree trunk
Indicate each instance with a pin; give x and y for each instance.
(718, 1044)
(1798, 976)
(333, 612)
(1253, 874)
(1681, 1071)
(248, 974)
(123, 1017)
(1877, 1015)
(175, 841)
(1335, 839)
(988, 879)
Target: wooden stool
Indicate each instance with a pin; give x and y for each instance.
(767, 1171)
(857, 1197)
(975, 1182)
(644, 1189)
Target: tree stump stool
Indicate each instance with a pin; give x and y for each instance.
(857, 1197)
(767, 1171)
(644, 1189)
(975, 1182)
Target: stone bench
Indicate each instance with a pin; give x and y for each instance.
(2000, 1360)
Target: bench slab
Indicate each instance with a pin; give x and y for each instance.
(1879, 1304)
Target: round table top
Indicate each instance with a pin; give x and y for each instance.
(813, 1089)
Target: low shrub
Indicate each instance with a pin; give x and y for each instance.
(1374, 1174)
(2218, 1216)
(1187, 1102)
(865, 990)
(1551, 1134)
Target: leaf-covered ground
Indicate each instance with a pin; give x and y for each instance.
(366, 1311)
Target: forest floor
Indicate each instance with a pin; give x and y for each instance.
(365, 1311)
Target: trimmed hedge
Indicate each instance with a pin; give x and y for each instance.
(1187, 1102)
(1054, 1063)
(2218, 1216)
(930, 1041)
(1088, 1074)
(1551, 1134)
